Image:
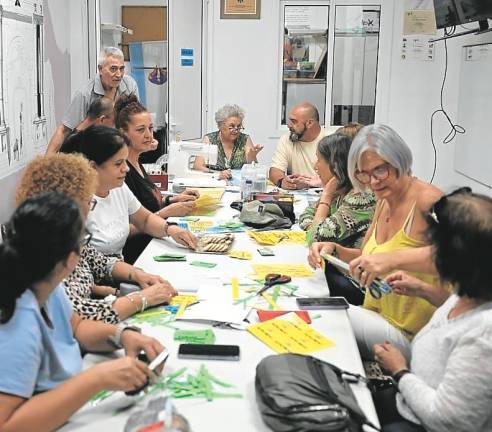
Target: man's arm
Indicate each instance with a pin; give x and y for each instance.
(276, 174)
(56, 141)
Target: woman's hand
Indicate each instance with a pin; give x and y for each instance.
(389, 357)
(177, 209)
(329, 190)
(123, 374)
(159, 293)
(187, 195)
(134, 342)
(314, 257)
(144, 279)
(369, 267)
(252, 151)
(182, 236)
(225, 175)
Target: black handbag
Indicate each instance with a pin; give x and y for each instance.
(302, 393)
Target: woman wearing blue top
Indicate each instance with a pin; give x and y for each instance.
(41, 383)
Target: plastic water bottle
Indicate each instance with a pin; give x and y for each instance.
(247, 189)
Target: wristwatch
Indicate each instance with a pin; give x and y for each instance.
(169, 224)
(279, 182)
(398, 375)
(115, 339)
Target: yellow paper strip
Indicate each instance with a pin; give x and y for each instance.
(292, 270)
(235, 288)
(271, 302)
(244, 255)
(275, 237)
(289, 333)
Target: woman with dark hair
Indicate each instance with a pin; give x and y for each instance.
(342, 214)
(446, 385)
(42, 381)
(117, 206)
(133, 119)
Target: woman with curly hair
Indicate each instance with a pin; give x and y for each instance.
(74, 176)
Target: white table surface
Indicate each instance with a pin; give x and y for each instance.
(233, 414)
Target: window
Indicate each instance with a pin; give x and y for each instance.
(330, 58)
(305, 46)
(355, 61)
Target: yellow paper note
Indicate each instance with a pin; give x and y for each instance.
(292, 270)
(270, 301)
(244, 255)
(183, 301)
(289, 333)
(199, 226)
(235, 288)
(275, 237)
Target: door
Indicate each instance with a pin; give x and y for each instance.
(186, 69)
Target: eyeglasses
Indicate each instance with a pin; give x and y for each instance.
(92, 204)
(437, 206)
(379, 173)
(238, 128)
(86, 238)
(115, 69)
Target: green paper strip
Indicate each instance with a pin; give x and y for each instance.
(203, 264)
(169, 257)
(195, 336)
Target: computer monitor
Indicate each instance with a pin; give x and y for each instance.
(455, 12)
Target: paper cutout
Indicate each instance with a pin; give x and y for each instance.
(274, 237)
(203, 264)
(243, 255)
(235, 288)
(195, 336)
(292, 270)
(289, 333)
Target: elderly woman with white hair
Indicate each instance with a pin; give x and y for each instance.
(234, 147)
(380, 160)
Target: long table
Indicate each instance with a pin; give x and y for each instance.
(233, 414)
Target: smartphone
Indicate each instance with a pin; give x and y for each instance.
(317, 303)
(208, 352)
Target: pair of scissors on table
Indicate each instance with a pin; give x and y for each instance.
(272, 279)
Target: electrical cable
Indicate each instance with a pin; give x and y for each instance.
(455, 128)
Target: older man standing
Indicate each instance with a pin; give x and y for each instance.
(110, 82)
(294, 158)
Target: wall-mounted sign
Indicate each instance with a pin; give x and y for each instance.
(240, 9)
(187, 56)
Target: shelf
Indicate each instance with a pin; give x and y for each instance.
(304, 80)
(116, 27)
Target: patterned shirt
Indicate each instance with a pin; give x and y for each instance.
(350, 217)
(92, 267)
(238, 156)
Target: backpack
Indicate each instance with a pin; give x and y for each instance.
(301, 393)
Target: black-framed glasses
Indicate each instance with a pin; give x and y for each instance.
(379, 173)
(86, 238)
(92, 204)
(437, 206)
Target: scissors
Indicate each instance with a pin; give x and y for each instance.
(272, 279)
(378, 288)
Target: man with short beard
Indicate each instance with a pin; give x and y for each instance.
(294, 158)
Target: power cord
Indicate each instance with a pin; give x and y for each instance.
(455, 128)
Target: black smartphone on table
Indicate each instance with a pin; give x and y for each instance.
(319, 303)
(209, 352)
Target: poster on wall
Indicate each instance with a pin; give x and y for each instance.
(18, 75)
(418, 48)
(240, 9)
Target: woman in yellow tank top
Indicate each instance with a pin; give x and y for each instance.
(379, 159)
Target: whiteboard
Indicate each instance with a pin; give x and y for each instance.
(473, 150)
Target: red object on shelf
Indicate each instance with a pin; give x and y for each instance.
(160, 180)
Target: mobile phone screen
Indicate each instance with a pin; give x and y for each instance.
(322, 303)
(208, 352)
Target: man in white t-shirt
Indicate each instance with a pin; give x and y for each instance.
(294, 158)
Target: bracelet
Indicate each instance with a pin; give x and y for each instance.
(398, 375)
(130, 297)
(144, 303)
(325, 203)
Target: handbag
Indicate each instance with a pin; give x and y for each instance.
(302, 393)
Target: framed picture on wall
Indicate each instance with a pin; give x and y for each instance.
(240, 9)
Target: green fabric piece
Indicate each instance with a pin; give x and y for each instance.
(195, 336)
(203, 264)
(169, 257)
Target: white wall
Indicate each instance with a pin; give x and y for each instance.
(243, 62)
